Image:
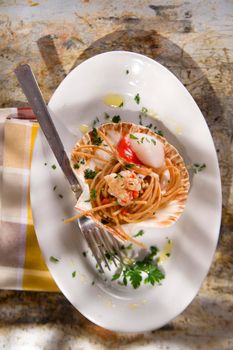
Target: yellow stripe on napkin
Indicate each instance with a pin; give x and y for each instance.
(36, 275)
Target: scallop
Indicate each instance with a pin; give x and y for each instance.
(148, 149)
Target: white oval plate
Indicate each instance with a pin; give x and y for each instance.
(78, 100)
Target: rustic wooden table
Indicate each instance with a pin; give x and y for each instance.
(195, 41)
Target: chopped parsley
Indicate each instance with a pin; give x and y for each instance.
(149, 126)
(126, 247)
(129, 165)
(197, 167)
(89, 174)
(88, 200)
(109, 257)
(54, 188)
(140, 119)
(130, 246)
(73, 274)
(106, 115)
(127, 71)
(45, 164)
(116, 118)
(159, 132)
(95, 122)
(85, 254)
(137, 99)
(92, 283)
(104, 221)
(96, 138)
(144, 110)
(140, 233)
(121, 105)
(132, 272)
(133, 137)
(53, 259)
(53, 167)
(77, 165)
(118, 175)
(60, 196)
(93, 193)
(153, 141)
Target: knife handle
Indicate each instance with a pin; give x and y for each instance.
(32, 91)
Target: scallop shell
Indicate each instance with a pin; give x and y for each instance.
(166, 216)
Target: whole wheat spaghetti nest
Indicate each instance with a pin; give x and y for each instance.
(125, 186)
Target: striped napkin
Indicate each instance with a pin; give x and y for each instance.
(21, 263)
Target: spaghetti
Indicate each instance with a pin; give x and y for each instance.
(123, 193)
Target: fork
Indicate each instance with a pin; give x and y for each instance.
(101, 243)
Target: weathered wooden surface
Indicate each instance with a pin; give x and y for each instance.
(194, 40)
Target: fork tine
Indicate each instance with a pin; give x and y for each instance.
(92, 245)
(116, 245)
(100, 242)
(101, 245)
(108, 245)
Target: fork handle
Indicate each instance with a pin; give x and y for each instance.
(32, 91)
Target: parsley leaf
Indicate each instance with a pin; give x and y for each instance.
(121, 105)
(95, 138)
(134, 277)
(155, 275)
(116, 118)
(89, 173)
(116, 276)
(93, 193)
(53, 167)
(76, 166)
(73, 274)
(133, 271)
(127, 71)
(137, 99)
